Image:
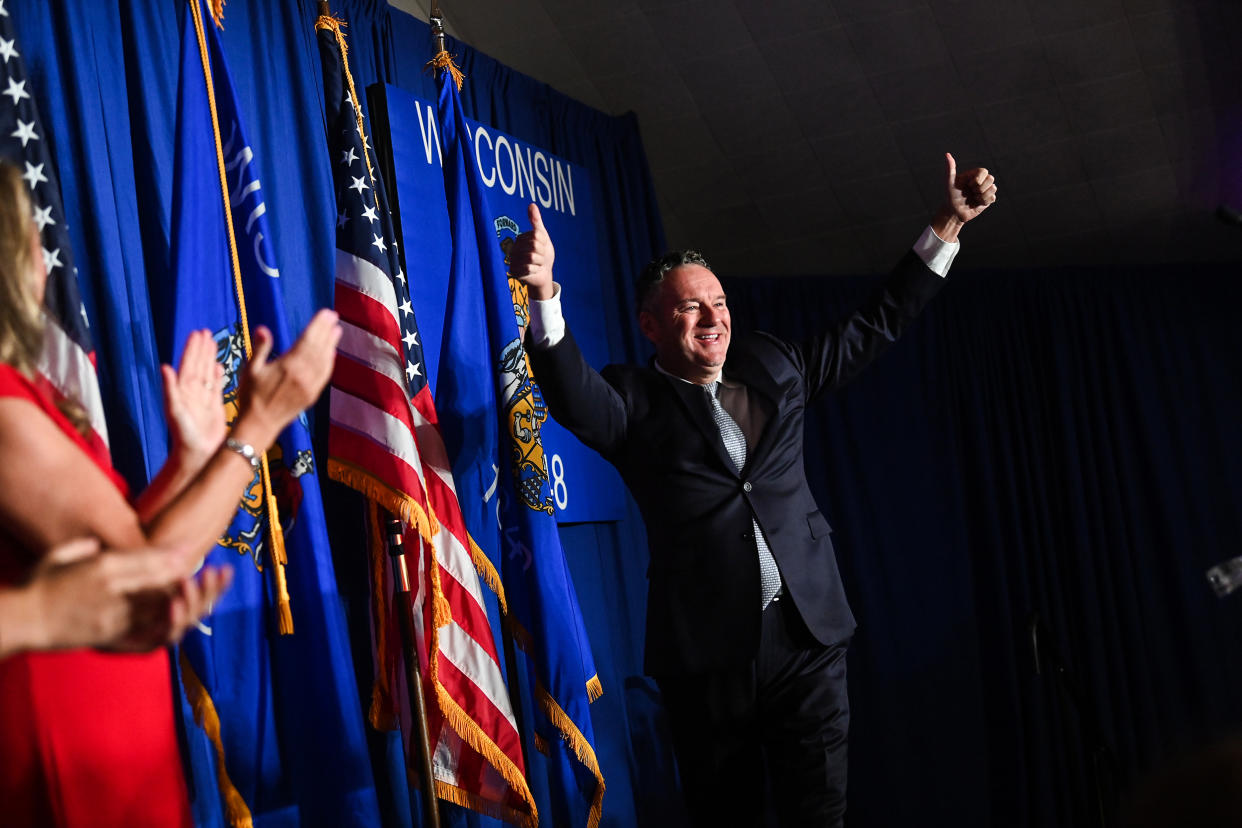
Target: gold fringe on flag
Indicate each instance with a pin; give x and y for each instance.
(465, 799)
(410, 511)
(334, 24)
(578, 744)
(467, 728)
(208, 719)
(284, 613)
(490, 576)
(217, 13)
(413, 514)
(561, 720)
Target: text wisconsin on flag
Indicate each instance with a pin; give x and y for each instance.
(493, 402)
(68, 359)
(384, 440)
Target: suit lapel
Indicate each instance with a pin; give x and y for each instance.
(694, 400)
(744, 368)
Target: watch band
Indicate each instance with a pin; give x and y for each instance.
(245, 450)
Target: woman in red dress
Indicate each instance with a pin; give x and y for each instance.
(87, 737)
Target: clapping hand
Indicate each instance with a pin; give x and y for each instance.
(120, 600)
(274, 392)
(193, 402)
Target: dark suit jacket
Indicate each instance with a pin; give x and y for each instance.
(703, 600)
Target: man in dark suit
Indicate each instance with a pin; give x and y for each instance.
(747, 621)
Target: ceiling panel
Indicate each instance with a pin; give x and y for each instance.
(806, 136)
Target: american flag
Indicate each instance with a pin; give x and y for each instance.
(384, 440)
(68, 360)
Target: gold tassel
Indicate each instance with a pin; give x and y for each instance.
(276, 534)
(276, 531)
(443, 60)
(208, 719)
(595, 689)
(284, 610)
(330, 22)
(217, 13)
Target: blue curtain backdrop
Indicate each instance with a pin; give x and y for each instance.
(104, 74)
(1063, 443)
(1060, 443)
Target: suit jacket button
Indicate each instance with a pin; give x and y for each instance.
(746, 487)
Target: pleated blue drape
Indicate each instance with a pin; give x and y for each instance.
(105, 77)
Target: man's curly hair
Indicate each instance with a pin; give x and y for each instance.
(652, 275)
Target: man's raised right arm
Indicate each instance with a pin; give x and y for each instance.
(578, 397)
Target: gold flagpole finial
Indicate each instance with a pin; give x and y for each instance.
(442, 59)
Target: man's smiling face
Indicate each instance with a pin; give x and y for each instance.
(688, 322)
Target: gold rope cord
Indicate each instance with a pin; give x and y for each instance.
(284, 613)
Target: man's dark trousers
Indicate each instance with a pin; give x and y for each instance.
(787, 711)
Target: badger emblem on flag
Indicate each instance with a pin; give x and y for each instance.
(525, 413)
(245, 534)
(525, 409)
(507, 232)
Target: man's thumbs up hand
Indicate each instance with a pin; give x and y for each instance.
(531, 257)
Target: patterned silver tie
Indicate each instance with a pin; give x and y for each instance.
(735, 444)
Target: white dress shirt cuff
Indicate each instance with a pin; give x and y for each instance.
(935, 252)
(547, 324)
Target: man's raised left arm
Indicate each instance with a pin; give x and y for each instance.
(834, 357)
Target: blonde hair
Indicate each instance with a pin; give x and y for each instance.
(21, 317)
(21, 320)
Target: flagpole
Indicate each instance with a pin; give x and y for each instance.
(436, 19)
(413, 669)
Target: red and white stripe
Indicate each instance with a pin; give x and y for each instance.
(71, 371)
(376, 429)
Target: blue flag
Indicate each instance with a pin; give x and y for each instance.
(279, 739)
(491, 411)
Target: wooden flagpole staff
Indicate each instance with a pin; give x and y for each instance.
(413, 672)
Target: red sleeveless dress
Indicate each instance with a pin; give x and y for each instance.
(86, 738)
